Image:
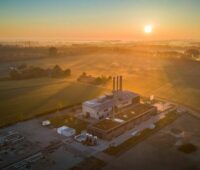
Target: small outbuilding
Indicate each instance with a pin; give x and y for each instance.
(46, 123)
(66, 131)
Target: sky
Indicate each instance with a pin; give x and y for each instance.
(99, 19)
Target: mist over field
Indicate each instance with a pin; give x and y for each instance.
(99, 84)
(157, 68)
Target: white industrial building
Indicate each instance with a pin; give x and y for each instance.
(103, 106)
(46, 123)
(66, 131)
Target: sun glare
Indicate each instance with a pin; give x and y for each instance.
(148, 29)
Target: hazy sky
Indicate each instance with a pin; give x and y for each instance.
(99, 19)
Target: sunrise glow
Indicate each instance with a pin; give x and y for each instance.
(148, 29)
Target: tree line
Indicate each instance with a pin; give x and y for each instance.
(93, 80)
(27, 72)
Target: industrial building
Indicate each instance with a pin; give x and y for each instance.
(104, 106)
(116, 120)
(110, 128)
(66, 131)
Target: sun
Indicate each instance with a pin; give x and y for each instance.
(148, 29)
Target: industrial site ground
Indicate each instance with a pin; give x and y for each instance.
(159, 150)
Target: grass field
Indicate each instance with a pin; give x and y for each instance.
(24, 99)
(174, 79)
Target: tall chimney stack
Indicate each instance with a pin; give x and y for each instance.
(120, 80)
(117, 83)
(114, 88)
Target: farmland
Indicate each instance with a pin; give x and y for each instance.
(27, 98)
(173, 78)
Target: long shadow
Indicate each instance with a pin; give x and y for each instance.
(72, 94)
(16, 91)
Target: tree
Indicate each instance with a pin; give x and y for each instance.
(53, 51)
(98, 80)
(57, 71)
(36, 72)
(67, 72)
(22, 66)
(192, 53)
(14, 74)
(84, 74)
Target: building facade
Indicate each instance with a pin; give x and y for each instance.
(108, 128)
(103, 106)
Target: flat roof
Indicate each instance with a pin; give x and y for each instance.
(106, 124)
(135, 112)
(98, 102)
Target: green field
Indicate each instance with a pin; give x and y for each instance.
(173, 79)
(27, 98)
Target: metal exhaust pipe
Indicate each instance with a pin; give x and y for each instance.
(120, 83)
(117, 83)
(114, 84)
